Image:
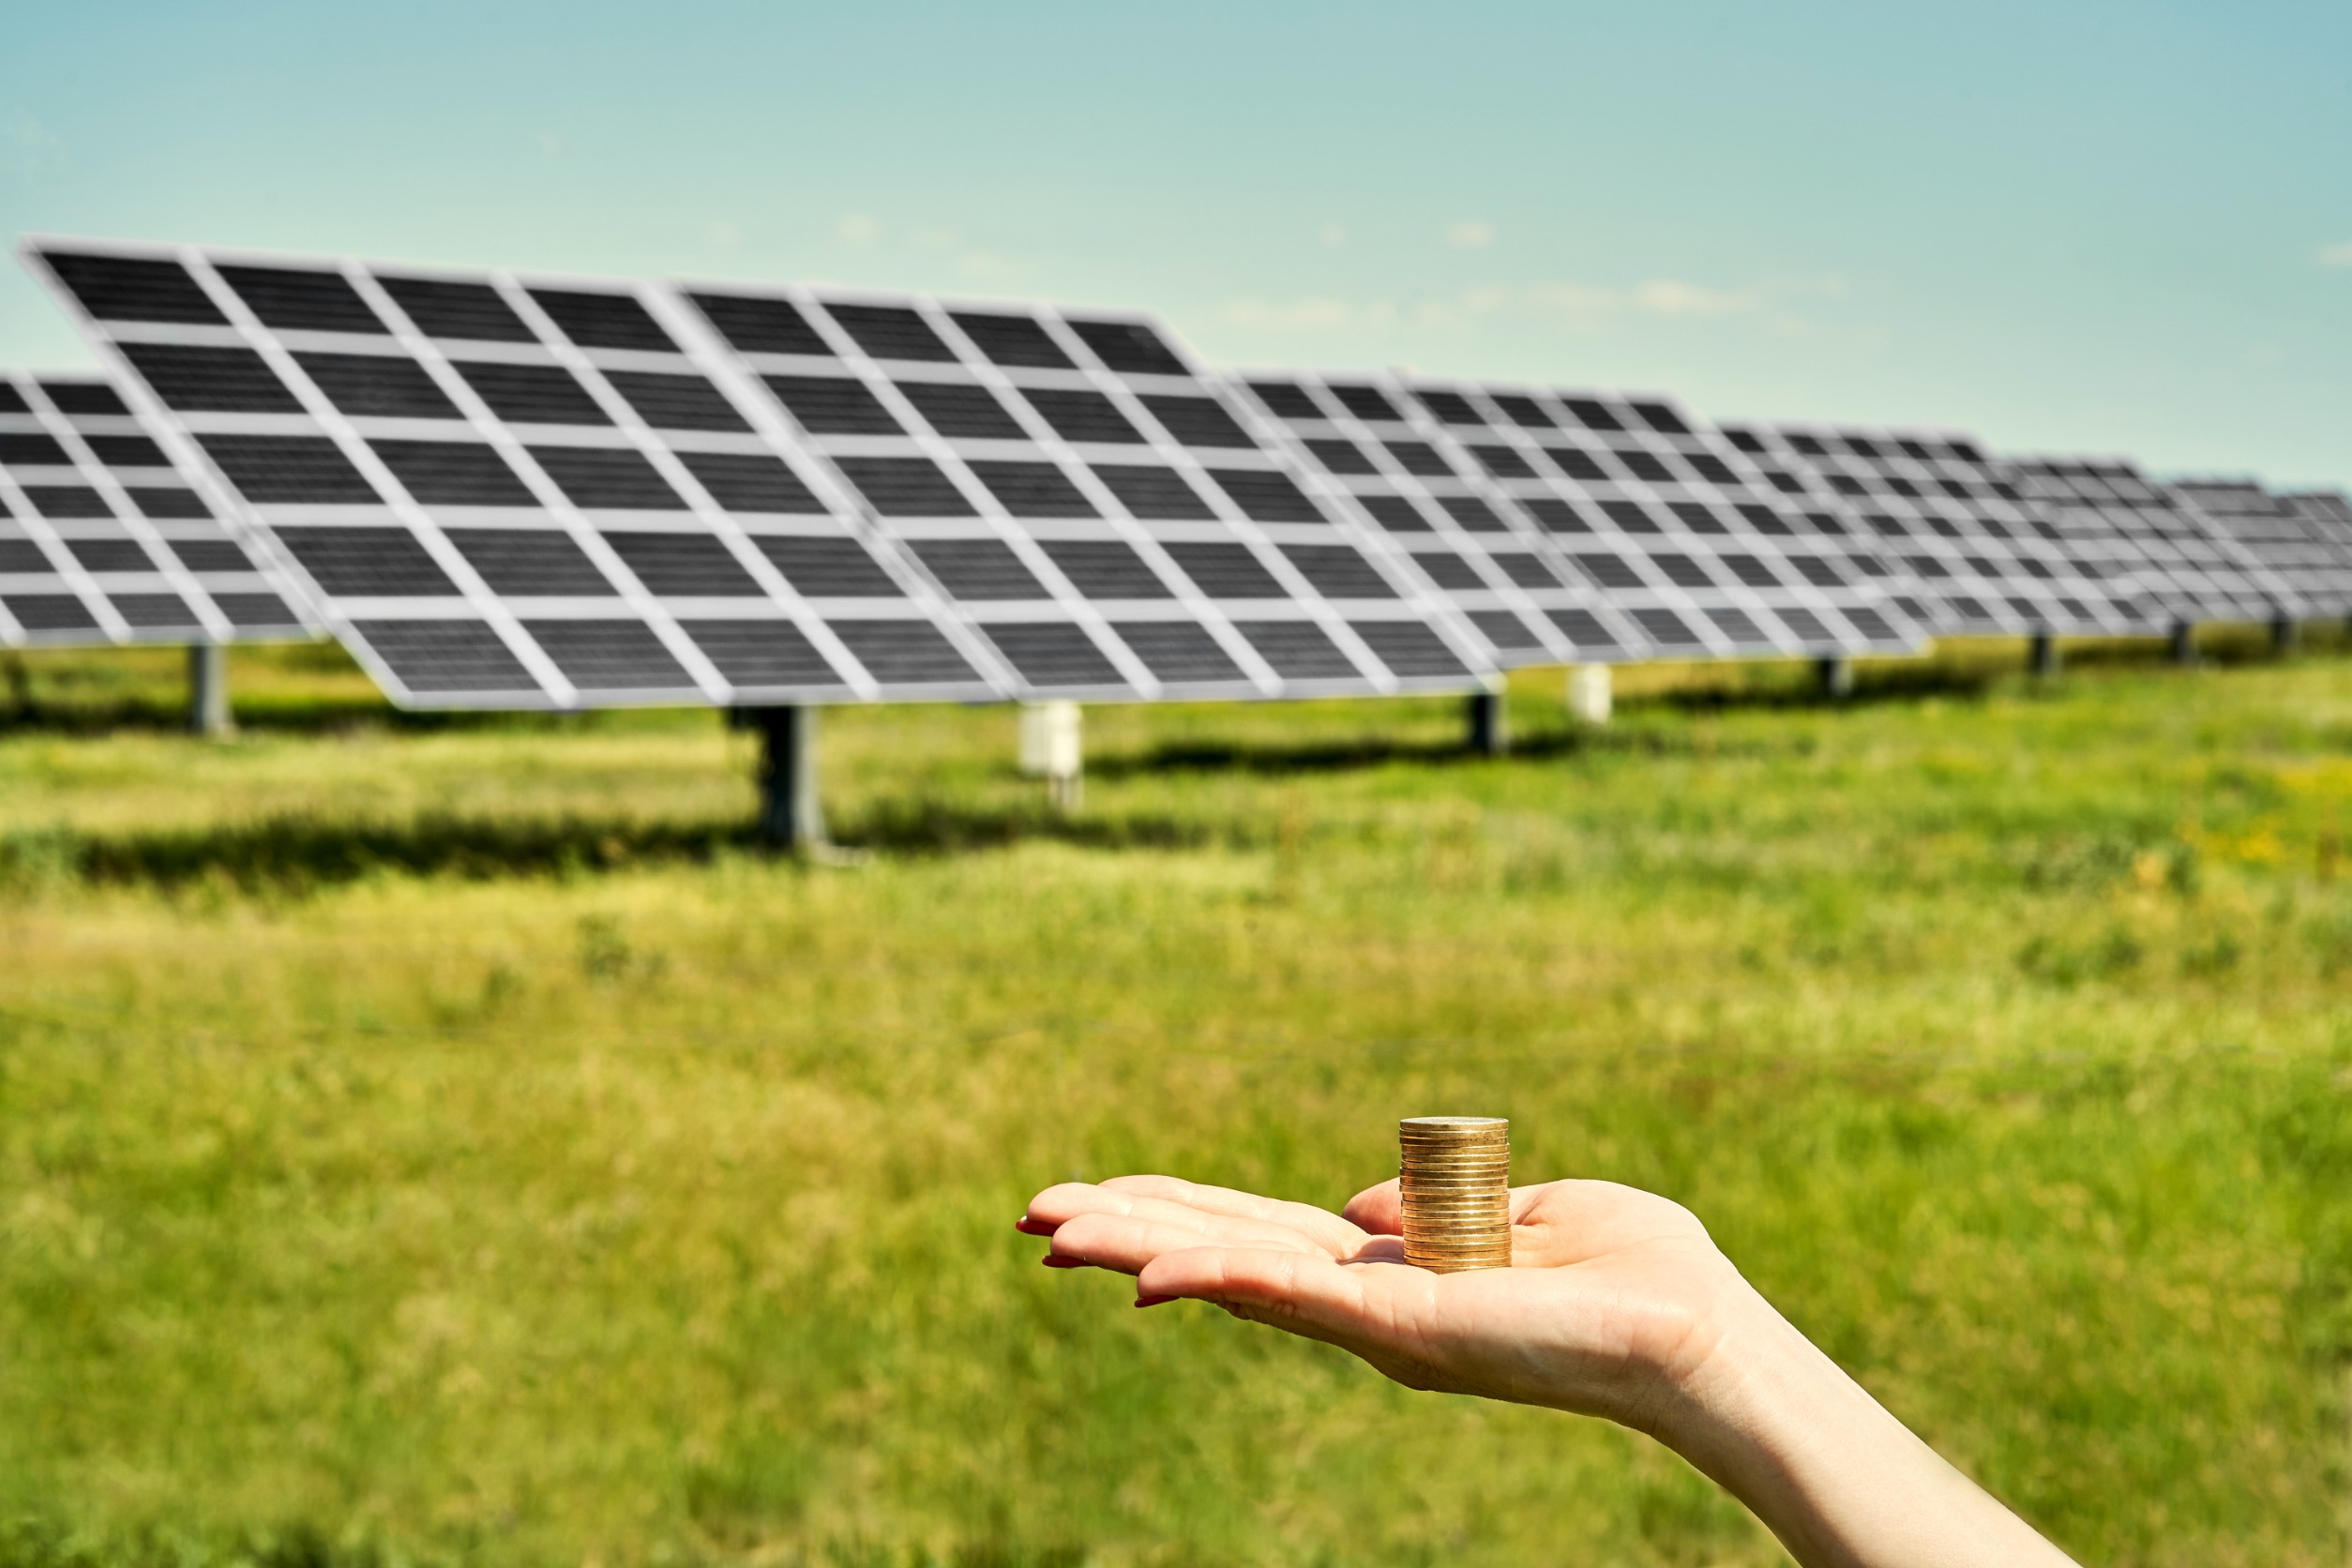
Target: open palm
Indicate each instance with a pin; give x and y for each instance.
(1614, 1297)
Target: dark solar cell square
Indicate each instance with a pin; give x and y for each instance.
(685, 565)
(961, 410)
(210, 555)
(1130, 348)
(750, 482)
(1609, 571)
(753, 324)
(610, 655)
(1054, 654)
(1226, 571)
(1785, 482)
(366, 563)
(904, 653)
(155, 611)
(1681, 570)
(1409, 648)
(1419, 457)
(301, 299)
(1506, 631)
(1592, 413)
(827, 569)
(1286, 400)
(1471, 513)
(1298, 650)
(206, 381)
(123, 288)
(1106, 569)
(1646, 465)
(1032, 489)
(1630, 517)
(669, 400)
(31, 449)
(1340, 572)
(532, 394)
(125, 451)
(1196, 421)
(12, 401)
(453, 473)
(1017, 340)
(756, 654)
(68, 500)
(288, 468)
(1668, 630)
(597, 320)
(1711, 468)
(1267, 497)
(890, 331)
(1752, 571)
(1557, 517)
(1521, 410)
(1395, 514)
(1083, 417)
(1699, 517)
(1527, 571)
(1366, 402)
(1820, 572)
(445, 656)
(392, 387)
(1809, 627)
(616, 479)
(1966, 451)
(1503, 462)
(474, 311)
(1739, 626)
(1341, 457)
(1762, 518)
(255, 610)
(157, 501)
(531, 563)
(1871, 624)
(49, 611)
(1154, 494)
(1451, 407)
(1178, 651)
(80, 397)
(1583, 628)
(1448, 570)
(978, 569)
(110, 555)
(833, 405)
(23, 558)
(906, 487)
(1661, 418)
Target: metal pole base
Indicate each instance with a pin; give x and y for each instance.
(2285, 634)
(1489, 727)
(2042, 655)
(208, 712)
(1590, 693)
(1834, 676)
(791, 809)
(2184, 647)
(1053, 749)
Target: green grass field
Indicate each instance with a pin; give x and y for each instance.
(433, 1142)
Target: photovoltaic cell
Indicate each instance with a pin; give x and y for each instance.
(2182, 566)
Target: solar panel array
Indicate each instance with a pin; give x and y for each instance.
(103, 538)
(1957, 531)
(2186, 568)
(509, 492)
(2305, 541)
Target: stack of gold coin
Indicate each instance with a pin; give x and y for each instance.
(1456, 1181)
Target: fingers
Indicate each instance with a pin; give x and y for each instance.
(1337, 1234)
(1377, 1210)
(1128, 1243)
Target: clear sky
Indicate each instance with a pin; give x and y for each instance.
(2112, 228)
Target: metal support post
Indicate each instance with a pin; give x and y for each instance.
(1489, 726)
(1589, 693)
(2184, 643)
(791, 809)
(2042, 654)
(2285, 634)
(1835, 675)
(208, 712)
(1053, 749)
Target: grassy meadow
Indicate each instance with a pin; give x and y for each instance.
(450, 1141)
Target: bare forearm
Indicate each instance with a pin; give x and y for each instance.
(1838, 1479)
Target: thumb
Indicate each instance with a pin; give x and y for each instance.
(1376, 1210)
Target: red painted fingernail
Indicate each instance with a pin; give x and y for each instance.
(1056, 1260)
(1154, 1301)
(1027, 1226)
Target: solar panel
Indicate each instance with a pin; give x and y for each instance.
(514, 491)
(2185, 568)
(1658, 516)
(2304, 541)
(1955, 530)
(1366, 457)
(105, 538)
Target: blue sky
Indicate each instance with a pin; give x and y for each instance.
(2083, 227)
